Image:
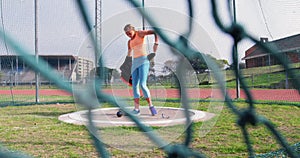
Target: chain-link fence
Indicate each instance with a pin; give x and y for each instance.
(89, 96)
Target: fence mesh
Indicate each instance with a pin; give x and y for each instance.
(90, 96)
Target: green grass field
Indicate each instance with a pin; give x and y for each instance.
(36, 130)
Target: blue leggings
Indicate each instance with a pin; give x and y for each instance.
(140, 68)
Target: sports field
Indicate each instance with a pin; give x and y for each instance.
(36, 130)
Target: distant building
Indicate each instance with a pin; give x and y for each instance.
(256, 56)
(71, 68)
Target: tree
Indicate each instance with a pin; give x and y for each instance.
(200, 65)
(241, 66)
(222, 63)
(169, 67)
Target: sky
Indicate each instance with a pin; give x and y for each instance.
(61, 31)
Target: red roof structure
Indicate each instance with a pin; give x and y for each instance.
(256, 56)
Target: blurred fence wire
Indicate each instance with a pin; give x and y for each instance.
(91, 95)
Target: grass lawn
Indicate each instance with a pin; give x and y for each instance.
(36, 130)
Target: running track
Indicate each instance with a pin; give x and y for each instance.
(257, 94)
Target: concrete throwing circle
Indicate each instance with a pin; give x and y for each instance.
(106, 117)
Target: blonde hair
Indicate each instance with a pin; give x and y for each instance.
(129, 27)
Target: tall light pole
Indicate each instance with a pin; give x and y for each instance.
(236, 56)
(98, 29)
(143, 18)
(36, 49)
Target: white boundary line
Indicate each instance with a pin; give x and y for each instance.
(76, 118)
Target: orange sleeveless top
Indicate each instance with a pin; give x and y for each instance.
(138, 46)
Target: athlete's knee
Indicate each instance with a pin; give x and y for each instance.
(136, 94)
(144, 87)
